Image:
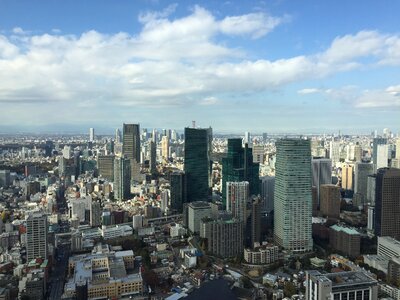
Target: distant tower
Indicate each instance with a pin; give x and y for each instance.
(267, 193)
(36, 236)
(117, 135)
(178, 190)
(382, 156)
(293, 199)
(91, 134)
(165, 147)
(361, 173)
(377, 141)
(321, 173)
(247, 138)
(347, 177)
(152, 157)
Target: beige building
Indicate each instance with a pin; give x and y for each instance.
(264, 254)
(347, 177)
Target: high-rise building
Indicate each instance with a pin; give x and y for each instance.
(117, 136)
(321, 173)
(5, 178)
(334, 152)
(358, 152)
(238, 166)
(330, 201)
(36, 236)
(344, 239)
(165, 147)
(361, 173)
(258, 154)
(343, 285)
(371, 184)
(347, 177)
(398, 148)
(256, 221)
(95, 214)
(267, 193)
(122, 178)
(377, 141)
(131, 148)
(164, 201)
(237, 196)
(178, 190)
(292, 198)
(247, 139)
(152, 157)
(91, 135)
(224, 237)
(382, 156)
(105, 165)
(198, 163)
(387, 203)
(197, 211)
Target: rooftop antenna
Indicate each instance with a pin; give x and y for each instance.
(194, 124)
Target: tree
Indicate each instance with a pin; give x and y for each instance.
(289, 290)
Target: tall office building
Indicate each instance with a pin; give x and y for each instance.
(117, 136)
(152, 157)
(321, 173)
(334, 152)
(330, 201)
(361, 173)
(267, 193)
(5, 178)
(36, 236)
(387, 203)
(398, 149)
(358, 152)
(237, 196)
(95, 214)
(238, 166)
(178, 190)
(258, 154)
(91, 134)
(292, 199)
(377, 141)
(105, 165)
(198, 163)
(122, 178)
(382, 156)
(256, 221)
(247, 139)
(165, 147)
(347, 177)
(131, 148)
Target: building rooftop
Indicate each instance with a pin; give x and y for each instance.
(390, 240)
(347, 230)
(345, 278)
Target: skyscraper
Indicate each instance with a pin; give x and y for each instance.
(238, 166)
(382, 156)
(361, 172)
(105, 165)
(267, 193)
(334, 152)
(321, 173)
(36, 236)
(131, 148)
(330, 201)
(347, 177)
(122, 178)
(95, 214)
(358, 152)
(197, 163)
(387, 203)
(91, 134)
(152, 157)
(178, 190)
(165, 147)
(256, 221)
(247, 138)
(237, 196)
(117, 136)
(292, 199)
(377, 141)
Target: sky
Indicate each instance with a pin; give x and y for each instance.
(261, 66)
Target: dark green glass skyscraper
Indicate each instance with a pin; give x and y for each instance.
(197, 163)
(238, 165)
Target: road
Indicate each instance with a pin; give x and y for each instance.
(57, 277)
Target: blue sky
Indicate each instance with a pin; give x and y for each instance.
(259, 66)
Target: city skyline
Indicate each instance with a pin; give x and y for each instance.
(103, 64)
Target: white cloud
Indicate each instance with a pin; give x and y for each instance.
(308, 91)
(169, 63)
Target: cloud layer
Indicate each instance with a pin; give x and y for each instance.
(175, 62)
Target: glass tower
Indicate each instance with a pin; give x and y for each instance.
(197, 163)
(238, 166)
(292, 196)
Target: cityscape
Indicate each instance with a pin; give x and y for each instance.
(212, 150)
